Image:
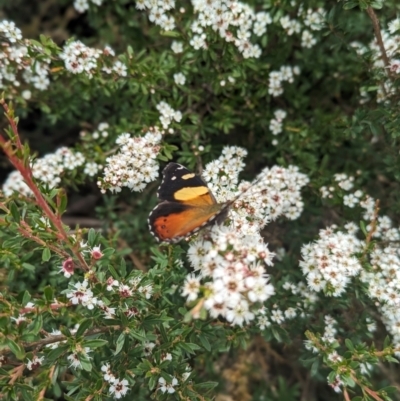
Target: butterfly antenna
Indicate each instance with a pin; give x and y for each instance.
(255, 182)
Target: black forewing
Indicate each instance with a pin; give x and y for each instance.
(175, 178)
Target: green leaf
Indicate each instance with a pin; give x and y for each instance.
(377, 4)
(62, 201)
(350, 4)
(48, 294)
(363, 228)
(37, 324)
(349, 344)
(205, 343)
(276, 334)
(46, 255)
(86, 364)
(170, 34)
(314, 368)
(15, 212)
(96, 343)
(120, 343)
(83, 326)
(16, 349)
(205, 386)
(152, 382)
(26, 298)
(92, 237)
(54, 354)
(190, 348)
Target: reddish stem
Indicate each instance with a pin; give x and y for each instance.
(27, 175)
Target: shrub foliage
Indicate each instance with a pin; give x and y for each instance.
(289, 108)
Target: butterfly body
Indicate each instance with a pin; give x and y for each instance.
(186, 205)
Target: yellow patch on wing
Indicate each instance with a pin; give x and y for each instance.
(188, 176)
(194, 196)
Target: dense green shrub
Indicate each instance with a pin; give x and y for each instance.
(295, 294)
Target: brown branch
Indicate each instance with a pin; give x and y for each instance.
(372, 393)
(371, 232)
(16, 373)
(377, 30)
(38, 345)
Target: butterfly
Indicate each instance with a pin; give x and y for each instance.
(186, 205)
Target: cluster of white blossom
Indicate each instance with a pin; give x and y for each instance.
(167, 387)
(75, 357)
(330, 262)
(125, 291)
(383, 279)
(312, 21)
(234, 21)
(276, 78)
(14, 58)
(98, 135)
(276, 192)
(168, 114)
(81, 294)
(83, 5)
(118, 388)
(232, 266)
(79, 58)
(47, 169)
(229, 260)
(265, 318)
(135, 165)
(346, 183)
(158, 10)
(391, 42)
(10, 31)
(275, 125)
(291, 26)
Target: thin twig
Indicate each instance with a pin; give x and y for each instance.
(377, 30)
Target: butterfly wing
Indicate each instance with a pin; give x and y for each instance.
(181, 185)
(173, 221)
(186, 205)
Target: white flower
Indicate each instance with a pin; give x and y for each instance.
(135, 165)
(119, 388)
(331, 260)
(198, 41)
(34, 363)
(177, 47)
(10, 31)
(307, 39)
(179, 78)
(191, 288)
(91, 168)
(232, 259)
(26, 94)
(167, 387)
(74, 357)
(394, 25)
(108, 375)
(120, 68)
